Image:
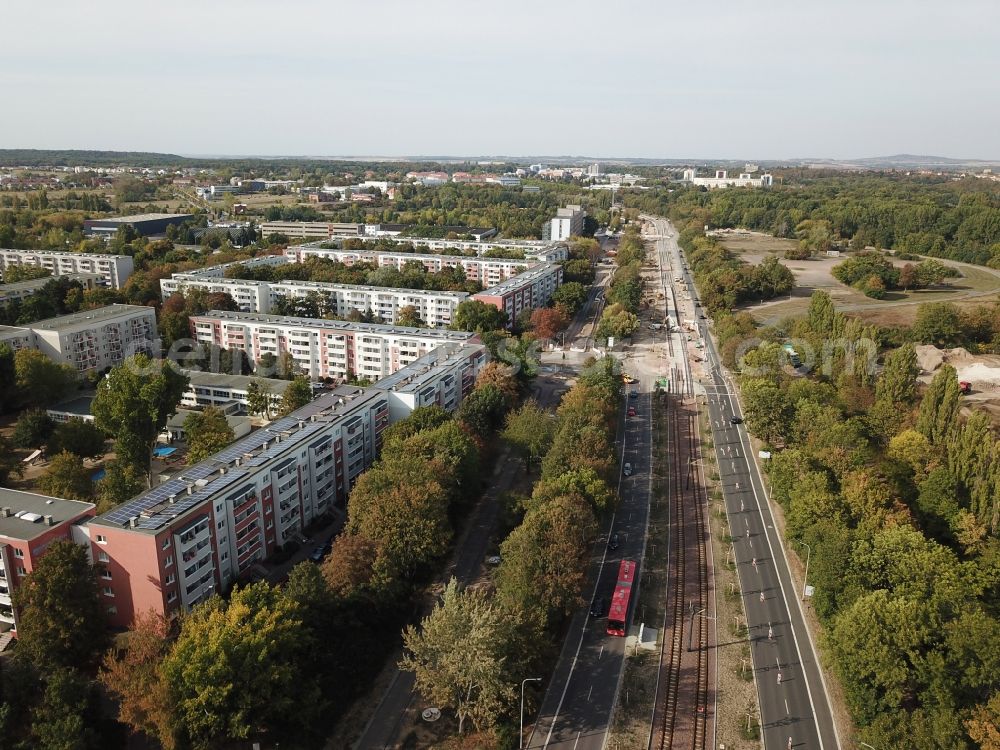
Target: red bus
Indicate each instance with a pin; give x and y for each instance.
(618, 611)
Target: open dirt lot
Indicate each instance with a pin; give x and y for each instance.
(977, 284)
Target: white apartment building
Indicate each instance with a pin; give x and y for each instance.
(29, 287)
(723, 180)
(113, 269)
(532, 249)
(568, 222)
(310, 229)
(90, 339)
(434, 308)
(485, 271)
(222, 389)
(442, 377)
(323, 348)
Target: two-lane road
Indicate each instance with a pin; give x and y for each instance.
(578, 703)
(795, 708)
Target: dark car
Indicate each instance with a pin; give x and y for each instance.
(317, 554)
(736, 420)
(633, 394)
(613, 541)
(599, 607)
(631, 411)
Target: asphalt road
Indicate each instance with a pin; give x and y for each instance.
(795, 708)
(576, 710)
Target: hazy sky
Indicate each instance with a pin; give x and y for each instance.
(702, 78)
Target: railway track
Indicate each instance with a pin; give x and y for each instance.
(682, 713)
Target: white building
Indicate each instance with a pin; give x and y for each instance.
(723, 180)
(486, 271)
(310, 229)
(30, 287)
(568, 222)
(526, 291)
(113, 269)
(219, 389)
(97, 339)
(323, 348)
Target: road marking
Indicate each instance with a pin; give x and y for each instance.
(577, 739)
(602, 653)
(787, 712)
(590, 692)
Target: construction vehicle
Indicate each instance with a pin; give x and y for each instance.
(965, 387)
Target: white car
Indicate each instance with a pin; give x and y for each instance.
(627, 470)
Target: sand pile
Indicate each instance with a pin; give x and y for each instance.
(929, 357)
(979, 374)
(982, 370)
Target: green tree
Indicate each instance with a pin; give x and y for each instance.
(10, 464)
(473, 315)
(461, 656)
(77, 437)
(207, 432)
(121, 482)
(398, 505)
(822, 316)
(41, 381)
(940, 404)
(409, 316)
(259, 398)
(68, 478)
(32, 429)
(8, 375)
(570, 296)
(530, 429)
(134, 402)
(297, 394)
(483, 410)
(767, 411)
(937, 323)
(897, 384)
(235, 671)
(68, 714)
(62, 619)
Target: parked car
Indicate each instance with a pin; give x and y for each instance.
(736, 420)
(627, 470)
(613, 541)
(631, 411)
(317, 554)
(633, 394)
(493, 560)
(599, 607)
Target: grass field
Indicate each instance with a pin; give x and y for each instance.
(976, 285)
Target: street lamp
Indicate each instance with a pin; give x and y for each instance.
(805, 578)
(520, 737)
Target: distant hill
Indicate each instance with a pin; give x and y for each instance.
(31, 157)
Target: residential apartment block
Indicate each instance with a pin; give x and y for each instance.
(485, 271)
(89, 339)
(221, 389)
(30, 287)
(311, 229)
(526, 291)
(175, 545)
(29, 523)
(113, 269)
(323, 348)
(434, 308)
(568, 222)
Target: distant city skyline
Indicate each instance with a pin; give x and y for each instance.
(725, 80)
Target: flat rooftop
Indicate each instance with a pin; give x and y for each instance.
(319, 285)
(7, 331)
(426, 368)
(155, 508)
(31, 284)
(63, 254)
(142, 217)
(239, 382)
(79, 406)
(32, 525)
(87, 318)
(521, 279)
(339, 325)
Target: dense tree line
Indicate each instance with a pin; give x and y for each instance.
(926, 215)
(896, 493)
(624, 295)
(471, 652)
(723, 280)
